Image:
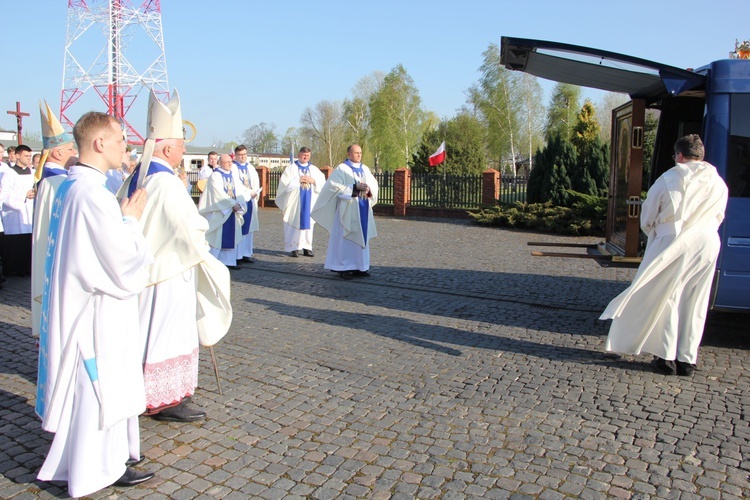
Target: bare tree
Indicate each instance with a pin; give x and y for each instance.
(261, 138)
(325, 125)
(604, 107)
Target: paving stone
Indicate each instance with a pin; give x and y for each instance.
(462, 368)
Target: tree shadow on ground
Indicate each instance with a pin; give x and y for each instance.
(443, 339)
(511, 299)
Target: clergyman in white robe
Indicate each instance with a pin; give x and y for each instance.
(53, 175)
(90, 383)
(347, 215)
(184, 282)
(663, 311)
(290, 198)
(249, 189)
(223, 210)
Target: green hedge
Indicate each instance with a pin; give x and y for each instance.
(585, 216)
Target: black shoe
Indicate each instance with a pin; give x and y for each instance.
(180, 413)
(666, 367)
(294, 253)
(132, 461)
(684, 368)
(347, 275)
(233, 268)
(361, 274)
(249, 260)
(133, 477)
(308, 253)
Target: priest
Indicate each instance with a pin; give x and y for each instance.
(90, 381)
(223, 209)
(663, 311)
(186, 302)
(250, 189)
(59, 149)
(344, 209)
(298, 191)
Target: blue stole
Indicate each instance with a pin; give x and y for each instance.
(43, 385)
(227, 231)
(305, 199)
(245, 177)
(153, 167)
(364, 203)
(51, 172)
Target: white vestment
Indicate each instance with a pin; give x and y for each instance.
(288, 200)
(184, 283)
(338, 213)
(90, 313)
(217, 204)
(3, 168)
(17, 208)
(250, 186)
(45, 195)
(663, 311)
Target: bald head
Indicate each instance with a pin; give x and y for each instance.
(225, 162)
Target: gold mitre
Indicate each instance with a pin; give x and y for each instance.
(53, 134)
(164, 120)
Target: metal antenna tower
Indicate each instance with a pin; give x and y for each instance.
(99, 36)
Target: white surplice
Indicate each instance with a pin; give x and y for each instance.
(184, 283)
(17, 208)
(250, 186)
(288, 200)
(217, 204)
(338, 213)
(663, 311)
(97, 268)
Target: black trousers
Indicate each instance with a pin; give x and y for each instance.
(17, 254)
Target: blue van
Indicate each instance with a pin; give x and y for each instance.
(712, 101)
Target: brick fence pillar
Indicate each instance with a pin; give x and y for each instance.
(401, 190)
(490, 187)
(265, 182)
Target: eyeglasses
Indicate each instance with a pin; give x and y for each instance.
(674, 156)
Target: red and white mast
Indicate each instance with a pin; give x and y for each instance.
(99, 36)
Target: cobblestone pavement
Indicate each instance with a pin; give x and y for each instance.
(463, 368)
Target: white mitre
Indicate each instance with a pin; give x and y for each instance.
(164, 121)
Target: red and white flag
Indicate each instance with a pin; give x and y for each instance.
(439, 156)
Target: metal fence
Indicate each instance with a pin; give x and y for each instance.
(273, 180)
(513, 188)
(452, 191)
(385, 187)
(427, 190)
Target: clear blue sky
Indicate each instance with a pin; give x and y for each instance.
(237, 63)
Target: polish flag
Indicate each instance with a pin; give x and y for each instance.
(439, 156)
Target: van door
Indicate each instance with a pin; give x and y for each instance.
(626, 171)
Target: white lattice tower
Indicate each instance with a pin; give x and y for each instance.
(115, 49)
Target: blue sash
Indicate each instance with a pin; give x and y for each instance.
(227, 230)
(153, 167)
(245, 177)
(305, 200)
(49, 267)
(364, 203)
(51, 172)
